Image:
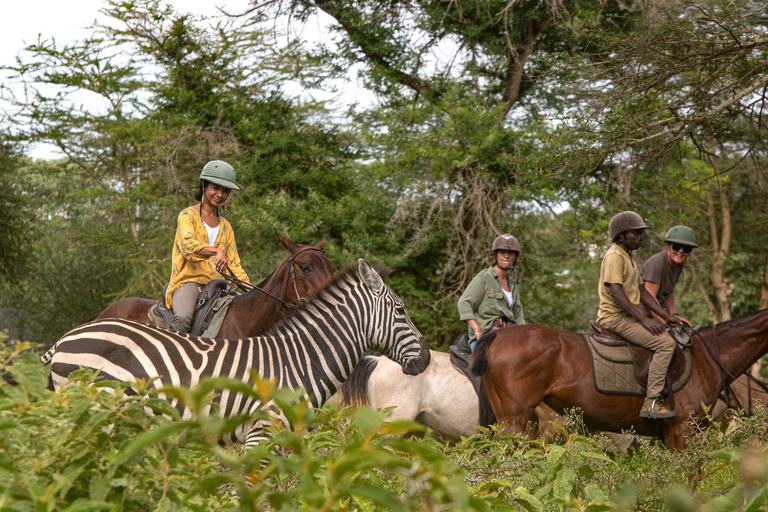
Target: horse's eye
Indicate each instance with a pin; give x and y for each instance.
(306, 268)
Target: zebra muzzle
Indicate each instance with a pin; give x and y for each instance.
(419, 363)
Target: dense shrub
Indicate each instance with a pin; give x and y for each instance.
(91, 446)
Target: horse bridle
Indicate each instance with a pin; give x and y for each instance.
(725, 391)
(292, 273)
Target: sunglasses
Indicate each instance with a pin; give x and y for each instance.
(686, 248)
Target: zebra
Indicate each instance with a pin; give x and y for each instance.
(315, 348)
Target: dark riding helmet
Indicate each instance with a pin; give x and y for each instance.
(506, 243)
(625, 221)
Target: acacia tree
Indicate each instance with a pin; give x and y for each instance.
(456, 118)
(172, 94)
(677, 102)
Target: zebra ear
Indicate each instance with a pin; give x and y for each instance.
(370, 276)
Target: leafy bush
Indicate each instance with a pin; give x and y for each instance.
(93, 446)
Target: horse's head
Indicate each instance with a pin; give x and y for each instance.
(390, 330)
(307, 268)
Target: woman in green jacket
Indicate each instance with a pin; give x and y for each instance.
(492, 299)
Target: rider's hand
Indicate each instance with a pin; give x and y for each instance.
(674, 320)
(652, 325)
(681, 320)
(221, 260)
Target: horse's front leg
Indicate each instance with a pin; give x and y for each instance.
(518, 416)
(676, 433)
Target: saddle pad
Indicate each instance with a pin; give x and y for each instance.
(613, 370)
(220, 307)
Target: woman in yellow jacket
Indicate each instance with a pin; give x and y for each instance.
(204, 244)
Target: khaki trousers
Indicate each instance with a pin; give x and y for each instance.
(184, 302)
(662, 345)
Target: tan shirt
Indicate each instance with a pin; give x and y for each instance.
(189, 267)
(617, 268)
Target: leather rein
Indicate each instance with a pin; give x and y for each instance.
(726, 392)
(291, 273)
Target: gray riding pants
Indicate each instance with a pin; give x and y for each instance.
(184, 302)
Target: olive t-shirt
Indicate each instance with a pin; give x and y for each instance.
(657, 270)
(617, 268)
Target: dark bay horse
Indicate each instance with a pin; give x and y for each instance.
(303, 272)
(522, 366)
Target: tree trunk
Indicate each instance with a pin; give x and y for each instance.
(721, 246)
(764, 292)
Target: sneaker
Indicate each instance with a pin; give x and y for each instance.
(656, 409)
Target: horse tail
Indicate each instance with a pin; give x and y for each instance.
(479, 360)
(354, 391)
(486, 413)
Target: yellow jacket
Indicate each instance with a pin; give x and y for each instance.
(188, 267)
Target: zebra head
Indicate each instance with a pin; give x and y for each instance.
(390, 330)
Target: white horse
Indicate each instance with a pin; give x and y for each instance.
(441, 397)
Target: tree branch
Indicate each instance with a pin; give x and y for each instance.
(376, 57)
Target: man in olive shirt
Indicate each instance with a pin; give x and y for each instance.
(621, 294)
(662, 270)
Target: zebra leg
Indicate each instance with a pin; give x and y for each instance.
(256, 432)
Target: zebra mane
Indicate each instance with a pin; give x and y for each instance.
(349, 271)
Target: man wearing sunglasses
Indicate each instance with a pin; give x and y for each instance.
(662, 270)
(622, 294)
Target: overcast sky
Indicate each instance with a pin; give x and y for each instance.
(22, 21)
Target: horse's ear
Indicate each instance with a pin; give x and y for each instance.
(370, 277)
(321, 245)
(288, 244)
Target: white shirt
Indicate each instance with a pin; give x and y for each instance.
(508, 295)
(212, 233)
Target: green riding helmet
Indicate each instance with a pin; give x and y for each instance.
(682, 235)
(220, 173)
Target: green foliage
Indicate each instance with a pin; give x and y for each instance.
(94, 446)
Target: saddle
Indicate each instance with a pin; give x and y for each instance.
(679, 368)
(160, 316)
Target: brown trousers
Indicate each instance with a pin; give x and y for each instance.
(662, 345)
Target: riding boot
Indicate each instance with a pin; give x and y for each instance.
(656, 409)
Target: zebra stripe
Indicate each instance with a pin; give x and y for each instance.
(315, 348)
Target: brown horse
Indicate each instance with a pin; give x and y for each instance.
(522, 366)
(305, 271)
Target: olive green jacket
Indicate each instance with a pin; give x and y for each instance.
(485, 302)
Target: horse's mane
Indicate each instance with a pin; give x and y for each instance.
(354, 391)
(733, 320)
(479, 362)
(349, 271)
